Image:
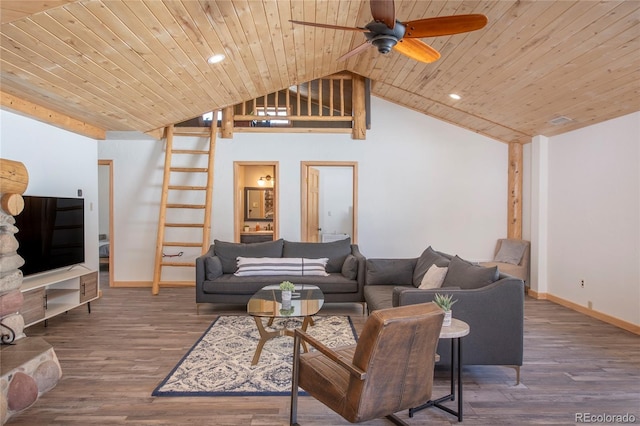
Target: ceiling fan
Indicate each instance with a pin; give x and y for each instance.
(386, 33)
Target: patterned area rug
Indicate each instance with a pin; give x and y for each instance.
(220, 361)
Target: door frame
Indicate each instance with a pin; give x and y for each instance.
(238, 195)
(304, 173)
(109, 163)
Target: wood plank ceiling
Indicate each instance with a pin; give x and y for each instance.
(140, 65)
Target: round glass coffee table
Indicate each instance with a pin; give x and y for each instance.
(306, 300)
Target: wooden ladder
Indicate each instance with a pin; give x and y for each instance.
(175, 208)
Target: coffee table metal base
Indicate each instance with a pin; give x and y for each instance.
(265, 335)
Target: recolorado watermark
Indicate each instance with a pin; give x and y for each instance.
(604, 418)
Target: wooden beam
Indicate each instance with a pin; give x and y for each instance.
(14, 177)
(226, 126)
(359, 108)
(514, 213)
(156, 133)
(48, 116)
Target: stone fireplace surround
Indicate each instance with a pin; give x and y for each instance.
(28, 366)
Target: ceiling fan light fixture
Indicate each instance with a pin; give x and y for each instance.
(455, 96)
(384, 43)
(214, 59)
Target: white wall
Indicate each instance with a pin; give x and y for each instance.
(421, 182)
(594, 217)
(59, 163)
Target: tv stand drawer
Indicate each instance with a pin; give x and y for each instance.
(33, 306)
(88, 287)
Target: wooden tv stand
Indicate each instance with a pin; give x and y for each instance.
(49, 294)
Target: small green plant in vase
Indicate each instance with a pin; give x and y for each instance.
(445, 302)
(286, 287)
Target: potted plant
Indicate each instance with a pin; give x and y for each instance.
(287, 287)
(445, 302)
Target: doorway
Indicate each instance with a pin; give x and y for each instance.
(256, 186)
(329, 200)
(106, 241)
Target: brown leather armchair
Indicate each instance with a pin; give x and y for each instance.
(390, 369)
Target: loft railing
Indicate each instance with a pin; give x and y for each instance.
(334, 104)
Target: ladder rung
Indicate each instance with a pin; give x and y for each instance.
(189, 151)
(185, 206)
(184, 225)
(177, 264)
(175, 244)
(187, 188)
(191, 131)
(189, 169)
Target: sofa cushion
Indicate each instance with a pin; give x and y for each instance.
(212, 267)
(229, 252)
(389, 271)
(378, 296)
(295, 266)
(350, 267)
(426, 259)
(434, 277)
(510, 252)
(335, 251)
(467, 275)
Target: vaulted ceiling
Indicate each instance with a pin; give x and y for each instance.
(141, 65)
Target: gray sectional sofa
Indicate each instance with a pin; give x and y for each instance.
(217, 281)
(491, 303)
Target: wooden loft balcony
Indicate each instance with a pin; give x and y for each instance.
(334, 104)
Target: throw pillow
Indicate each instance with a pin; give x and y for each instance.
(252, 266)
(213, 268)
(229, 252)
(426, 259)
(467, 276)
(511, 252)
(434, 277)
(350, 267)
(336, 251)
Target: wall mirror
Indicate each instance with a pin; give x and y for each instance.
(258, 203)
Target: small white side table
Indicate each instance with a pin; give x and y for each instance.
(456, 331)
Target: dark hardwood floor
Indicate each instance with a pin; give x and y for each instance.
(114, 357)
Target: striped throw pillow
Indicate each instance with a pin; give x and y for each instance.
(296, 266)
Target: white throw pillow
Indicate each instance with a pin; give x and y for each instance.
(297, 266)
(434, 277)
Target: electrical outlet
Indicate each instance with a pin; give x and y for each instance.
(582, 283)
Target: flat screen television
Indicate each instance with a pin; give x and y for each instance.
(50, 233)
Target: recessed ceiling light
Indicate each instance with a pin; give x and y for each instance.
(219, 57)
(455, 96)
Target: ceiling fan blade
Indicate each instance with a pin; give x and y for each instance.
(418, 50)
(334, 27)
(444, 25)
(355, 51)
(384, 11)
